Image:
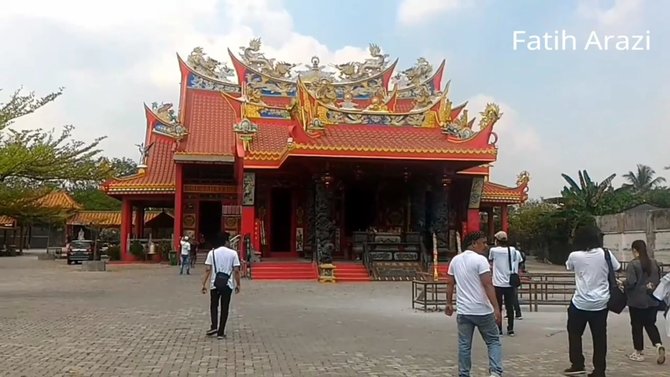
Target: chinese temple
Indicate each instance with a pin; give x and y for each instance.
(312, 161)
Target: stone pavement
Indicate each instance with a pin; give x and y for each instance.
(144, 320)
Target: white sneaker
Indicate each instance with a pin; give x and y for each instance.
(660, 352)
(636, 356)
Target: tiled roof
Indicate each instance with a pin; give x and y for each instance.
(159, 176)
(270, 143)
(106, 218)
(496, 193)
(209, 120)
(7, 222)
(58, 199)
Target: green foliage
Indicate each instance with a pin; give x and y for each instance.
(93, 199)
(114, 252)
(643, 180)
(36, 162)
(588, 195)
(137, 250)
(659, 197)
(20, 105)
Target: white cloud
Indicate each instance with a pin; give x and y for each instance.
(519, 148)
(413, 12)
(113, 56)
(621, 14)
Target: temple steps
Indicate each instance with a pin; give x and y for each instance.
(351, 272)
(284, 271)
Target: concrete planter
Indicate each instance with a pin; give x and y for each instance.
(46, 257)
(94, 265)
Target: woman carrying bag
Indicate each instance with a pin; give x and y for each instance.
(642, 278)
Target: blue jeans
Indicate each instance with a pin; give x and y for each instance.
(486, 324)
(185, 263)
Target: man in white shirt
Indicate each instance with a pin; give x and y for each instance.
(185, 253)
(476, 304)
(226, 261)
(505, 260)
(589, 303)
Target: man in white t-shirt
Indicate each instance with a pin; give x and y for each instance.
(185, 253)
(224, 260)
(589, 303)
(505, 260)
(476, 304)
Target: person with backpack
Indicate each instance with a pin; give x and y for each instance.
(221, 282)
(505, 260)
(642, 278)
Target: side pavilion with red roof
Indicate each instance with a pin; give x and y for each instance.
(307, 163)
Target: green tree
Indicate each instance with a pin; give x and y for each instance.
(643, 180)
(36, 162)
(527, 224)
(588, 196)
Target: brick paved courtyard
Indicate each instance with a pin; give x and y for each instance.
(148, 321)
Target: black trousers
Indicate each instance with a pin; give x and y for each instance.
(597, 321)
(224, 298)
(509, 297)
(644, 319)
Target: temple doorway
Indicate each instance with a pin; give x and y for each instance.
(360, 209)
(280, 212)
(211, 213)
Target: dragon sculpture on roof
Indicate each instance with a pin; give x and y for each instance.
(209, 67)
(252, 56)
(352, 71)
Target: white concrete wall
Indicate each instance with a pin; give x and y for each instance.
(620, 243)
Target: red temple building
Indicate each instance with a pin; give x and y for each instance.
(312, 163)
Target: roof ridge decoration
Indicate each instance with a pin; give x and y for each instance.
(245, 130)
(323, 105)
(208, 66)
(166, 122)
(461, 127)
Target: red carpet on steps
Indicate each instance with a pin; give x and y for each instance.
(346, 272)
(284, 271)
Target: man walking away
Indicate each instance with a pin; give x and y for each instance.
(225, 263)
(476, 304)
(185, 254)
(589, 303)
(505, 260)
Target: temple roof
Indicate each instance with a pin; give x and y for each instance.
(58, 200)
(276, 140)
(495, 193)
(106, 218)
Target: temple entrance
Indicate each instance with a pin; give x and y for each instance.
(280, 237)
(360, 209)
(210, 220)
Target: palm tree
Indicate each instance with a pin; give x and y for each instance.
(643, 180)
(586, 196)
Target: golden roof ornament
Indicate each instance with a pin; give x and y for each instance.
(523, 179)
(415, 75)
(491, 114)
(168, 124)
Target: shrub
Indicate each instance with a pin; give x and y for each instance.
(137, 249)
(114, 252)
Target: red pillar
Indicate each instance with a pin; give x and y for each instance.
(139, 222)
(178, 205)
(504, 218)
(473, 220)
(126, 226)
(248, 227)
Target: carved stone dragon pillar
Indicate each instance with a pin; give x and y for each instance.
(324, 226)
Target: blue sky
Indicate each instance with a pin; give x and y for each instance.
(604, 111)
